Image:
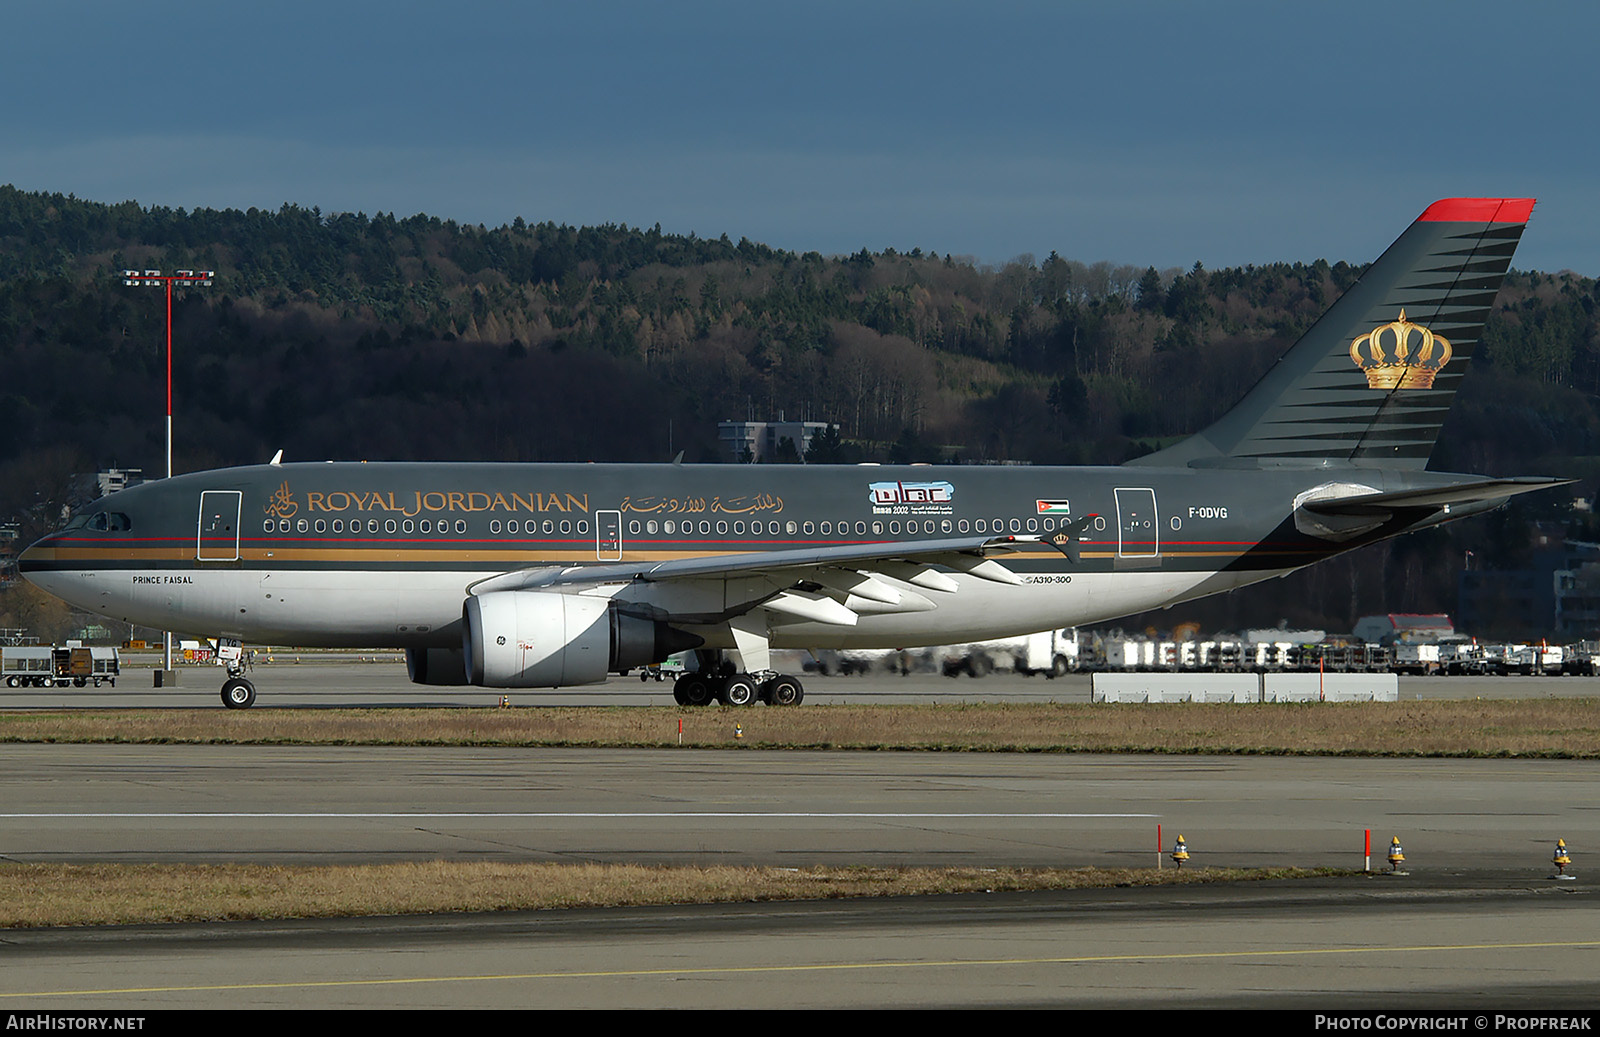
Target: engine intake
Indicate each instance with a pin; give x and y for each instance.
(535, 639)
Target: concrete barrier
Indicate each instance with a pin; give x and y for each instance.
(1331, 687)
(1175, 687)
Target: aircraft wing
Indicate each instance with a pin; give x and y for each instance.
(826, 584)
(1473, 492)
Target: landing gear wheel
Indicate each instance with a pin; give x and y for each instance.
(238, 693)
(783, 691)
(692, 690)
(740, 690)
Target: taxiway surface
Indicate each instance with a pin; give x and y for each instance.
(330, 680)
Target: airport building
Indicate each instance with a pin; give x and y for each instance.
(1403, 626)
(747, 442)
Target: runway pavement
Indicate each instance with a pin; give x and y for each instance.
(338, 804)
(1478, 922)
(1356, 944)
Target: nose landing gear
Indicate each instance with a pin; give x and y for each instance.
(238, 693)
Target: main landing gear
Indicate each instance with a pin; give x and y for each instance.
(737, 689)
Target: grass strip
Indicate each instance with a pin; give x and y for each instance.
(56, 895)
(1567, 728)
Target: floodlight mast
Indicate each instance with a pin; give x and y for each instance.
(155, 279)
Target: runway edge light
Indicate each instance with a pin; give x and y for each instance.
(1561, 859)
(1397, 856)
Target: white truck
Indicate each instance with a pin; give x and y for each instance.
(1416, 658)
(1053, 653)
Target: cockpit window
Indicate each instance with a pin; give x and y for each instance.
(105, 521)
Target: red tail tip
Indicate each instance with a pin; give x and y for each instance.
(1479, 210)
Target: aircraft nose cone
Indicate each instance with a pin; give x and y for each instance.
(34, 557)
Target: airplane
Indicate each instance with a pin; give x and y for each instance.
(554, 575)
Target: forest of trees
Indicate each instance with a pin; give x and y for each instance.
(350, 336)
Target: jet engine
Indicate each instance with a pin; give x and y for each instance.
(536, 639)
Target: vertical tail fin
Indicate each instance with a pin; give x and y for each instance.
(1371, 382)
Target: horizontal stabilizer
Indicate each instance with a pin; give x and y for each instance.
(1432, 497)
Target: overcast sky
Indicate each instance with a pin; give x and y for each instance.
(1140, 132)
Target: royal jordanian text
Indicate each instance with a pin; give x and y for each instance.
(438, 500)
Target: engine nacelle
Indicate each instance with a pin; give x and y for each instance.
(536, 639)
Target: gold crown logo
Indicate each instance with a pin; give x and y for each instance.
(1400, 355)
